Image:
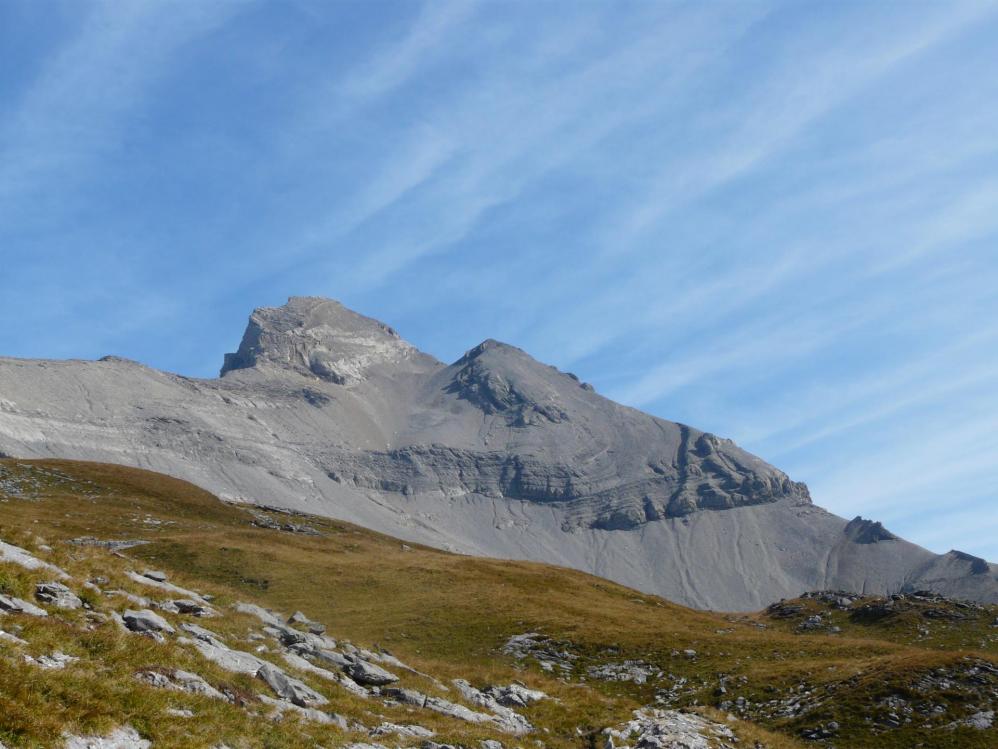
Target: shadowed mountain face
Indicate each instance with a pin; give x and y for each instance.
(324, 410)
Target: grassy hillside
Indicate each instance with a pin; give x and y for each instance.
(853, 679)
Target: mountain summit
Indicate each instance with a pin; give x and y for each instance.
(320, 337)
(324, 410)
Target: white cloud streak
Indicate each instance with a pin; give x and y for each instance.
(75, 111)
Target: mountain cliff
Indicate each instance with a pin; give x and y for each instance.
(327, 411)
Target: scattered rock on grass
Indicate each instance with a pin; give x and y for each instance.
(182, 681)
(288, 688)
(58, 595)
(144, 580)
(515, 695)
(120, 738)
(19, 556)
(13, 639)
(54, 662)
(367, 673)
(12, 605)
(670, 729)
(112, 545)
(405, 731)
(146, 621)
(192, 607)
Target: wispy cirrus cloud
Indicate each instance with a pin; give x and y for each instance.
(75, 110)
(771, 220)
(505, 133)
(391, 64)
(779, 108)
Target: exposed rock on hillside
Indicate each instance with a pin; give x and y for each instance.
(326, 411)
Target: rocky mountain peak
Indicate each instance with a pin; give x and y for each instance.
(978, 566)
(503, 379)
(863, 531)
(317, 337)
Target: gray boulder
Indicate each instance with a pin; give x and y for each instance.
(19, 556)
(302, 664)
(237, 661)
(455, 710)
(283, 707)
(12, 605)
(169, 587)
(363, 672)
(146, 621)
(192, 607)
(120, 738)
(58, 595)
(982, 721)
(505, 718)
(289, 688)
(194, 684)
(55, 661)
(405, 696)
(515, 695)
(179, 680)
(408, 731)
(332, 657)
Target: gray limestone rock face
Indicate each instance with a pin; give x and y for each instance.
(318, 338)
(325, 411)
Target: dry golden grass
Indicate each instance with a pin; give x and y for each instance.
(445, 614)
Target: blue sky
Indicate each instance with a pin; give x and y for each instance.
(774, 221)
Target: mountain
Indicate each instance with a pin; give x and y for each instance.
(326, 411)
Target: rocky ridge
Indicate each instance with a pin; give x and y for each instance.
(325, 411)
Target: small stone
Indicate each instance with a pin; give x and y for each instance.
(13, 605)
(121, 738)
(8, 637)
(54, 662)
(146, 621)
(404, 731)
(369, 674)
(156, 575)
(192, 607)
(982, 721)
(58, 595)
(515, 695)
(289, 688)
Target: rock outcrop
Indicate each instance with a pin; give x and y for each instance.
(326, 411)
